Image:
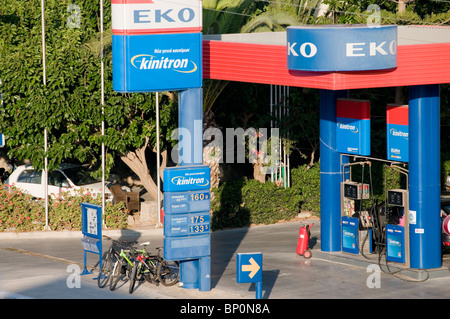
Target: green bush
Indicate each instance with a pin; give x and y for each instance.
(20, 212)
(242, 202)
(306, 180)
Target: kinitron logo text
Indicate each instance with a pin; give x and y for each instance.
(395, 132)
(181, 180)
(152, 62)
(351, 128)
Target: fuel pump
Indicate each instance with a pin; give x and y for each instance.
(355, 221)
(398, 220)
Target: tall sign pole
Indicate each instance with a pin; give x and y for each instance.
(44, 76)
(102, 68)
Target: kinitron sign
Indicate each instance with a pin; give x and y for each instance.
(156, 45)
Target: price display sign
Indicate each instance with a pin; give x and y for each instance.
(187, 222)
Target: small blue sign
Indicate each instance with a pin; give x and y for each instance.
(353, 136)
(398, 142)
(341, 48)
(397, 132)
(350, 236)
(91, 216)
(395, 243)
(189, 247)
(157, 62)
(184, 202)
(187, 178)
(248, 267)
(91, 228)
(353, 126)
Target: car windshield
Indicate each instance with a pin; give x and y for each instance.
(80, 175)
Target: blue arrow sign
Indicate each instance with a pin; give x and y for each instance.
(249, 267)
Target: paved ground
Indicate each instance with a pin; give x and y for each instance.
(44, 266)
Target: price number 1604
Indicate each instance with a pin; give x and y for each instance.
(199, 196)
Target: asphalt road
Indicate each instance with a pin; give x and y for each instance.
(46, 266)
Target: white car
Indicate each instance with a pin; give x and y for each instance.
(68, 177)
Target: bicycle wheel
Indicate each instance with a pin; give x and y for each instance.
(135, 271)
(150, 270)
(105, 271)
(169, 272)
(116, 274)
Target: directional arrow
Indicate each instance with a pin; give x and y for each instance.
(253, 267)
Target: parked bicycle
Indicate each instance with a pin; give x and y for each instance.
(145, 267)
(123, 261)
(168, 271)
(110, 263)
(154, 269)
(123, 267)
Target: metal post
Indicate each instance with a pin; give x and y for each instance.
(194, 274)
(102, 67)
(44, 76)
(258, 290)
(158, 164)
(190, 118)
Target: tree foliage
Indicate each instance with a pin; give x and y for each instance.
(69, 103)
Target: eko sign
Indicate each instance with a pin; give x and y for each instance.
(156, 45)
(156, 16)
(352, 48)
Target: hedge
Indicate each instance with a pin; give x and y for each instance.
(20, 212)
(243, 202)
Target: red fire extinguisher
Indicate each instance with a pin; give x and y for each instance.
(303, 241)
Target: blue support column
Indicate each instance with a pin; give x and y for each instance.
(190, 123)
(195, 273)
(330, 173)
(424, 181)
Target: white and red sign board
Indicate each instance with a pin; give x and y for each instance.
(156, 16)
(446, 225)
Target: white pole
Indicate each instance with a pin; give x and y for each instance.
(271, 125)
(103, 109)
(44, 76)
(288, 159)
(158, 164)
(47, 227)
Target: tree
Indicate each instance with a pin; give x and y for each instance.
(69, 103)
(278, 15)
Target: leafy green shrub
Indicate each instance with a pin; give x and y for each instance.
(241, 202)
(306, 180)
(20, 212)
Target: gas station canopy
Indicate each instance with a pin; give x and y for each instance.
(422, 58)
(338, 58)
